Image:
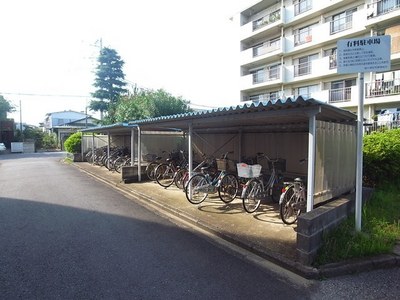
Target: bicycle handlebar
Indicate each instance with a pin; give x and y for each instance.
(261, 154)
(225, 155)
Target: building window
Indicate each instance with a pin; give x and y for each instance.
(273, 96)
(306, 91)
(342, 21)
(341, 90)
(332, 53)
(268, 96)
(301, 6)
(274, 72)
(266, 47)
(258, 75)
(303, 35)
(303, 65)
(267, 19)
(386, 6)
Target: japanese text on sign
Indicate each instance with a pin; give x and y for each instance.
(364, 55)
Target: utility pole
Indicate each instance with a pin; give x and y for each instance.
(20, 119)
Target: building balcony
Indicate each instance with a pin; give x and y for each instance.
(260, 27)
(317, 68)
(261, 54)
(260, 80)
(343, 97)
(375, 92)
(261, 97)
(382, 88)
(326, 32)
(302, 10)
(340, 95)
(383, 10)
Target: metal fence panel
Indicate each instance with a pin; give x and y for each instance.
(335, 161)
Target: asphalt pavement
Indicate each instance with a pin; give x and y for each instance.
(262, 232)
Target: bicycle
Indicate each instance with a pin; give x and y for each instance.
(165, 173)
(202, 184)
(151, 167)
(293, 201)
(259, 186)
(182, 175)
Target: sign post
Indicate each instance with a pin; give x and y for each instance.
(370, 54)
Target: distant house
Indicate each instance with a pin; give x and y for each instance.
(64, 123)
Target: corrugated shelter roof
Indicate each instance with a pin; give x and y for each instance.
(273, 116)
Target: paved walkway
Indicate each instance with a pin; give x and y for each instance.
(261, 232)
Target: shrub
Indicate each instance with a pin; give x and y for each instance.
(49, 141)
(73, 143)
(381, 157)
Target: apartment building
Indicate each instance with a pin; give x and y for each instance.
(288, 48)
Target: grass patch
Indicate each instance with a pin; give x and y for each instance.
(68, 160)
(379, 233)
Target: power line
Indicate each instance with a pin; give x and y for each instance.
(45, 95)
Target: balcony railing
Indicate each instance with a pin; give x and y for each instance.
(303, 37)
(340, 95)
(267, 19)
(381, 126)
(269, 75)
(382, 7)
(266, 48)
(263, 97)
(302, 69)
(341, 24)
(381, 88)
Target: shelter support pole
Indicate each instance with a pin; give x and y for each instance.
(93, 148)
(190, 150)
(132, 146)
(359, 171)
(190, 156)
(311, 162)
(83, 144)
(108, 149)
(139, 154)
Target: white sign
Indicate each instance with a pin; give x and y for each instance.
(371, 54)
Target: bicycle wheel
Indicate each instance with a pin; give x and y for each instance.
(197, 189)
(181, 177)
(287, 210)
(252, 195)
(228, 188)
(151, 170)
(164, 175)
(119, 163)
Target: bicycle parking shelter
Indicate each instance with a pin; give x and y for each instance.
(291, 129)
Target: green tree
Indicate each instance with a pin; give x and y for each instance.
(150, 104)
(41, 139)
(5, 107)
(109, 83)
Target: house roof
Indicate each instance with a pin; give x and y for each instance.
(283, 115)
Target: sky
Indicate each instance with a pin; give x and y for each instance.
(49, 49)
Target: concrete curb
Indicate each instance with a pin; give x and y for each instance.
(308, 272)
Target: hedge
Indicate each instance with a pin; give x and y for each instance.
(381, 157)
